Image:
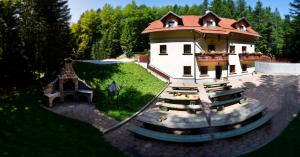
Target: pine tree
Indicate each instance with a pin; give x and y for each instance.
(295, 13)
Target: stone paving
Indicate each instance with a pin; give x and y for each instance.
(84, 112)
(279, 93)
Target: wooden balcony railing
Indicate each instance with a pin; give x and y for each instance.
(253, 57)
(208, 57)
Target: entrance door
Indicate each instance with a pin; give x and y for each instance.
(218, 71)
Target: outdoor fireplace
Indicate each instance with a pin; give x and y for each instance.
(68, 80)
(68, 84)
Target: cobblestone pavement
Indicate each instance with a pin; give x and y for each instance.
(84, 112)
(281, 95)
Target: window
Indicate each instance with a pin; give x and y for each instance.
(203, 70)
(187, 49)
(171, 24)
(244, 67)
(232, 69)
(244, 49)
(163, 50)
(232, 49)
(187, 71)
(243, 28)
(211, 48)
(209, 23)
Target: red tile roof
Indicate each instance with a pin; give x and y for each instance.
(191, 22)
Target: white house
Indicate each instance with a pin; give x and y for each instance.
(201, 47)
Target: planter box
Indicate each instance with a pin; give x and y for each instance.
(211, 57)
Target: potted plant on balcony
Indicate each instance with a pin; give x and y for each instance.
(213, 53)
(223, 53)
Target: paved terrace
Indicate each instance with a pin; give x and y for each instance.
(281, 95)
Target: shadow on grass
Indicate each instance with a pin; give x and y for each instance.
(124, 105)
(28, 130)
(137, 87)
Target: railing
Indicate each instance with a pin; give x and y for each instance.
(253, 57)
(159, 72)
(212, 57)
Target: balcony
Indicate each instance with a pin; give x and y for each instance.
(212, 57)
(253, 57)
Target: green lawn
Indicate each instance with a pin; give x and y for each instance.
(286, 145)
(27, 130)
(137, 86)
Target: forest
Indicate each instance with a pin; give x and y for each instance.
(36, 35)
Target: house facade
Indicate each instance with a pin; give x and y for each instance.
(201, 47)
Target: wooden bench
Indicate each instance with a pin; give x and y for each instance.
(215, 95)
(183, 91)
(174, 121)
(215, 84)
(167, 106)
(183, 87)
(169, 137)
(237, 113)
(244, 129)
(216, 89)
(169, 96)
(229, 101)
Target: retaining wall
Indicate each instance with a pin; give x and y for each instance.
(278, 68)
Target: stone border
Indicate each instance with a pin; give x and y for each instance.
(135, 114)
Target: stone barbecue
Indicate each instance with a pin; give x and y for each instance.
(67, 84)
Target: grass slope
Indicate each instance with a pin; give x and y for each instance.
(27, 130)
(137, 86)
(286, 145)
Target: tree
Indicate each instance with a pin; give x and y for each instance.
(241, 8)
(295, 13)
(205, 6)
(86, 32)
(229, 9)
(217, 7)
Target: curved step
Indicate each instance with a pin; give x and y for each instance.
(169, 137)
(199, 138)
(237, 113)
(174, 121)
(244, 129)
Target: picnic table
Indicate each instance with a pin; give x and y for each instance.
(215, 84)
(183, 87)
(169, 96)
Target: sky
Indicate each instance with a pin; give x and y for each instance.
(79, 6)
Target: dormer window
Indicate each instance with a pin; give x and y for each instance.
(209, 23)
(171, 24)
(242, 28)
(241, 25)
(171, 20)
(210, 19)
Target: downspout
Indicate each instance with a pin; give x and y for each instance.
(195, 79)
(227, 59)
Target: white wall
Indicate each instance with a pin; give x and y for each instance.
(238, 46)
(172, 64)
